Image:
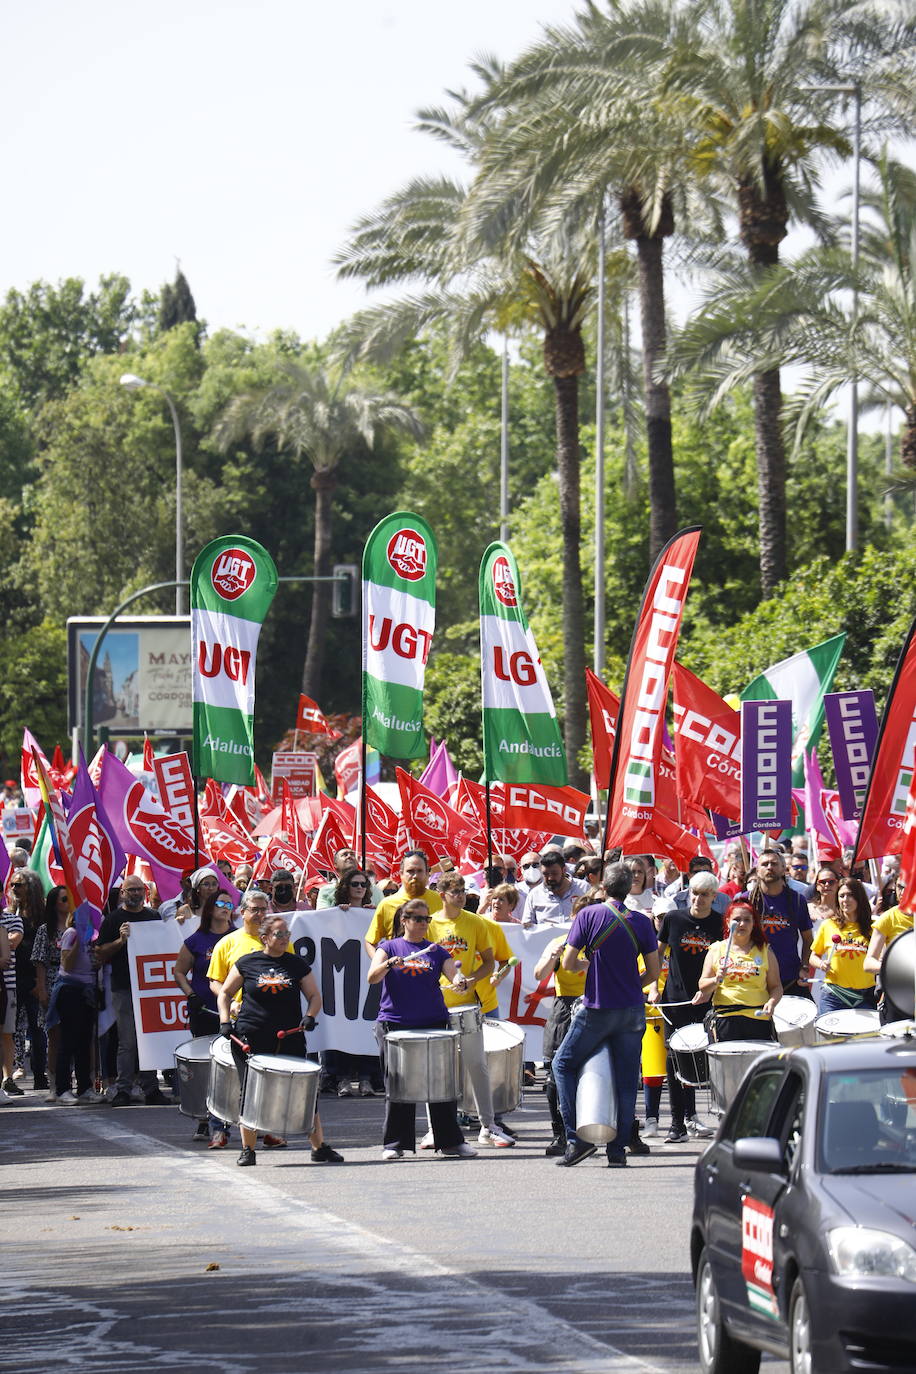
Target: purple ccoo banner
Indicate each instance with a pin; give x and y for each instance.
(766, 765)
(853, 727)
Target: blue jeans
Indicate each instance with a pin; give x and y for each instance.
(854, 997)
(621, 1030)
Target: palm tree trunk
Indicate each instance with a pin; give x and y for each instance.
(908, 443)
(662, 495)
(763, 217)
(566, 390)
(324, 483)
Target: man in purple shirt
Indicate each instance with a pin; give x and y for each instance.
(785, 920)
(606, 940)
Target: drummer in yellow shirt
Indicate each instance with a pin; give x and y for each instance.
(840, 947)
(742, 978)
(466, 937)
(414, 887)
(884, 930)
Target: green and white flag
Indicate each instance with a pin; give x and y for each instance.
(802, 679)
(233, 582)
(521, 734)
(399, 616)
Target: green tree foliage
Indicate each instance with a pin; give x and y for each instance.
(452, 708)
(33, 688)
(176, 304)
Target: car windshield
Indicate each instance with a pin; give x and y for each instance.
(868, 1121)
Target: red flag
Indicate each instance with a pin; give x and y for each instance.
(430, 823)
(175, 788)
(60, 833)
(345, 813)
(279, 855)
(328, 839)
(531, 806)
(242, 804)
(262, 791)
(633, 783)
(893, 765)
(289, 823)
(347, 766)
(908, 851)
(149, 758)
(603, 709)
(707, 734)
(31, 787)
(381, 832)
(311, 721)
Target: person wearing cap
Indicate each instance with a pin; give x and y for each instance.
(283, 893)
(550, 901)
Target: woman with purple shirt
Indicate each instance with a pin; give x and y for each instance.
(409, 967)
(216, 920)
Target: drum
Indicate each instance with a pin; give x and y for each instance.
(223, 1088)
(596, 1100)
(728, 1063)
(423, 1065)
(898, 972)
(793, 1021)
(653, 1047)
(853, 1023)
(280, 1094)
(687, 1048)
(192, 1068)
(899, 1030)
(465, 1020)
(504, 1051)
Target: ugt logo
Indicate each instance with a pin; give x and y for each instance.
(503, 582)
(407, 554)
(232, 573)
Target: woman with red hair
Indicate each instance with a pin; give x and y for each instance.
(742, 980)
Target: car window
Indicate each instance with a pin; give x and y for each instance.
(867, 1121)
(752, 1113)
(786, 1121)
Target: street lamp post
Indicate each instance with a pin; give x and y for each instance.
(134, 383)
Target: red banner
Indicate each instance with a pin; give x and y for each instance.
(310, 719)
(892, 769)
(381, 833)
(603, 709)
(347, 766)
(633, 785)
(429, 822)
(707, 735)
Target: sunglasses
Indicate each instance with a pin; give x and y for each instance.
(17, 887)
(358, 882)
(408, 917)
(226, 906)
(827, 882)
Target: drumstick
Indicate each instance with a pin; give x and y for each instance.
(723, 965)
(399, 959)
(295, 1030)
(499, 975)
(246, 1049)
(837, 941)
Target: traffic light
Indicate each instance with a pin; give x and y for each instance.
(344, 598)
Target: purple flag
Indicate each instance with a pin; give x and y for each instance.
(439, 774)
(145, 829)
(724, 828)
(766, 765)
(853, 726)
(815, 818)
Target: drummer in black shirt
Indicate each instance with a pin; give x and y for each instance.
(686, 935)
(271, 982)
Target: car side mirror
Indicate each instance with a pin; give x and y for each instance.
(760, 1153)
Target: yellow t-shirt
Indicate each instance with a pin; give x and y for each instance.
(892, 923)
(566, 984)
(845, 969)
(228, 951)
(487, 994)
(745, 982)
(464, 938)
(382, 922)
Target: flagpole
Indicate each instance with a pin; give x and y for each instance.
(362, 802)
(196, 823)
(489, 826)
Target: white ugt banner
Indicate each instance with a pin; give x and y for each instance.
(332, 942)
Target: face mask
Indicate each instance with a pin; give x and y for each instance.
(532, 873)
(283, 892)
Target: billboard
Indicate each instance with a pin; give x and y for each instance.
(142, 677)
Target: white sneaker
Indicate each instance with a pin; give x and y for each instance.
(90, 1098)
(390, 1153)
(697, 1129)
(650, 1129)
(52, 1099)
(462, 1151)
(428, 1142)
(494, 1136)
(68, 1099)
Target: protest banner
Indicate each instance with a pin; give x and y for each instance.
(852, 724)
(893, 763)
(766, 765)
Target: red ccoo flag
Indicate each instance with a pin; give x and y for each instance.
(707, 735)
(310, 720)
(430, 823)
(893, 765)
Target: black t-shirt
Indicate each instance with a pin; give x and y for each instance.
(270, 991)
(688, 941)
(110, 930)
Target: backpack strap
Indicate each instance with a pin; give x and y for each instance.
(616, 920)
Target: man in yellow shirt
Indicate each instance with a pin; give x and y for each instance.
(414, 885)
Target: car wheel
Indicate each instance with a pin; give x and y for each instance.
(801, 1360)
(720, 1353)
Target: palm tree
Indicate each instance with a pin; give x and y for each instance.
(319, 414)
(802, 313)
(415, 238)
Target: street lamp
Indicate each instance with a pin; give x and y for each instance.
(134, 383)
(852, 437)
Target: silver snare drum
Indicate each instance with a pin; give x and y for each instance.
(223, 1090)
(422, 1065)
(504, 1052)
(687, 1048)
(793, 1021)
(853, 1023)
(192, 1067)
(728, 1062)
(280, 1094)
(467, 1019)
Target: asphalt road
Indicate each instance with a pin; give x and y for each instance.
(111, 1221)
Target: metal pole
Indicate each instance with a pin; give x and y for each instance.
(179, 556)
(852, 438)
(598, 651)
(888, 465)
(504, 447)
